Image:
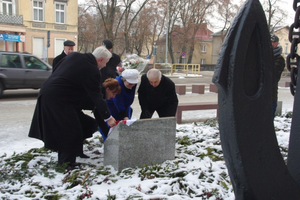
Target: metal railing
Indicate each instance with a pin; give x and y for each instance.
(186, 68)
(178, 67)
(164, 67)
(11, 19)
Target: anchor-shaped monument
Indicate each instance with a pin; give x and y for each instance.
(243, 76)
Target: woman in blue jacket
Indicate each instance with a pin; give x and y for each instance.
(120, 105)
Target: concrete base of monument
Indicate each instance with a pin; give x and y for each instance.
(145, 142)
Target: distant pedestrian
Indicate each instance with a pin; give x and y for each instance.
(57, 116)
(68, 48)
(279, 67)
(110, 71)
(157, 93)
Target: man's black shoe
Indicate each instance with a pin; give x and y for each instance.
(83, 156)
(73, 166)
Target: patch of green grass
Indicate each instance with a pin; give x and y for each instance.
(184, 140)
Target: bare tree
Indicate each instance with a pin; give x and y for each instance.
(190, 14)
(89, 30)
(275, 13)
(117, 18)
(148, 27)
(130, 15)
(107, 9)
(226, 12)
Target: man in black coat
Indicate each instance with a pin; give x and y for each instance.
(68, 48)
(279, 67)
(57, 119)
(110, 71)
(157, 93)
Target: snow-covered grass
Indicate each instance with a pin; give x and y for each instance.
(197, 172)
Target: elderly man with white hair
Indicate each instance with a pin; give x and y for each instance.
(57, 119)
(157, 93)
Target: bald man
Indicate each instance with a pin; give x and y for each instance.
(157, 93)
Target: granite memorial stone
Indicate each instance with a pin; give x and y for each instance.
(145, 142)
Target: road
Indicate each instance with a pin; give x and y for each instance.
(204, 78)
(17, 107)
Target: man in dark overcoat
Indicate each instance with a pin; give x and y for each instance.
(157, 93)
(68, 48)
(279, 67)
(110, 71)
(57, 119)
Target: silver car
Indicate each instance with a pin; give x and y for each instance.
(21, 71)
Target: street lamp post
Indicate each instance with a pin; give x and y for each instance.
(167, 32)
(154, 53)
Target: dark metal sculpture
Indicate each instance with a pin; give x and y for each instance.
(244, 79)
(293, 63)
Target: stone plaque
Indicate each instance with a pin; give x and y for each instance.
(149, 141)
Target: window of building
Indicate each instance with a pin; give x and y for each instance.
(202, 61)
(60, 13)
(203, 49)
(7, 7)
(38, 11)
(286, 47)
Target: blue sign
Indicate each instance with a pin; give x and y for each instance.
(183, 54)
(12, 38)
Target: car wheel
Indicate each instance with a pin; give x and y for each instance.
(1, 89)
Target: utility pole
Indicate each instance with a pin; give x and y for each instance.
(167, 32)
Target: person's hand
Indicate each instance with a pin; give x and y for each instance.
(111, 122)
(126, 118)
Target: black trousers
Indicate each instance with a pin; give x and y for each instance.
(66, 157)
(89, 126)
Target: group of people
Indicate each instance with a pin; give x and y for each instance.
(82, 82)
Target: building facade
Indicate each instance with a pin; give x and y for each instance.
(281, 31)
(283, 34)
(38, 27)
(200, 52)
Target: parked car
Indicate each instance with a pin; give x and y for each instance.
(22, 71)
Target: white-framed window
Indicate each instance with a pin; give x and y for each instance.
(202, 62)
(7, 7)
(38, 11)
(60, 13)
(39, 47)
(59, 46)
(203, 49)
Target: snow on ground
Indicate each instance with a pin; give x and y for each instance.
(27, 171)
(198, 171)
